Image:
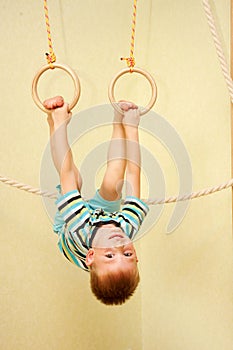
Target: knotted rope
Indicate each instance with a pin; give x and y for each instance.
(51, 57)
(131, 60)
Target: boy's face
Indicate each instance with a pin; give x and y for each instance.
(112, 250)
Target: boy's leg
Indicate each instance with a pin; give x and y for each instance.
(113, 180)
(133, 172)
(58, 121)
(112, 183)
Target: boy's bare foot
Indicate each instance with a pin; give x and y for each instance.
(54, 102)
(131, 115)
(59, 111)
(124, 106)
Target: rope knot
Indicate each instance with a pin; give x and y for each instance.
(51, 58)
(130, 61)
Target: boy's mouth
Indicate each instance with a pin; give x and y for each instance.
(116, 235)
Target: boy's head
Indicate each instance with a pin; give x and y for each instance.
(113, 265)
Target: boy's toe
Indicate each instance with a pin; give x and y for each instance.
(126, 105)
(54, 102)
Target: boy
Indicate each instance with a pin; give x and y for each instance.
(96, 235)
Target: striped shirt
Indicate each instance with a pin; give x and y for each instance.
(78, 221)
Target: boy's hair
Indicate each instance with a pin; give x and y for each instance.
(114, 288)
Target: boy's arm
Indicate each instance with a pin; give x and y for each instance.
(133, 170)
(61, 153)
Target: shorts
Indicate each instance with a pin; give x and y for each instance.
(97, 202)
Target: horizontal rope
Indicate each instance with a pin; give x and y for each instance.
(172, 199)
(27, 188)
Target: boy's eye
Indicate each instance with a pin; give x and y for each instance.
(128, 254)
(110, 256)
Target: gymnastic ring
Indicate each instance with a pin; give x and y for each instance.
(68, 70)
(132, 70)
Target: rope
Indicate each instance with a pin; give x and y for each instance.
(27, 188)
(131, 60)
(51, 57)
(193, 195)
(218, 46)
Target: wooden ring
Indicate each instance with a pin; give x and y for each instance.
(132, 70)
(68, 70)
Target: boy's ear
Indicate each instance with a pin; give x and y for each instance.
(90, 257)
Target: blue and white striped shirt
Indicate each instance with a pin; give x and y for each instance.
(77, 222)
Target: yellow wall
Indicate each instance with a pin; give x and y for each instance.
(185, 297)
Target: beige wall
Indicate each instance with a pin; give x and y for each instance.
(185, 298)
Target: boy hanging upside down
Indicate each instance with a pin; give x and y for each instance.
(97, 234)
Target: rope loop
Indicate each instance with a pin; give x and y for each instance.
(51, 58)
(130, 62)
